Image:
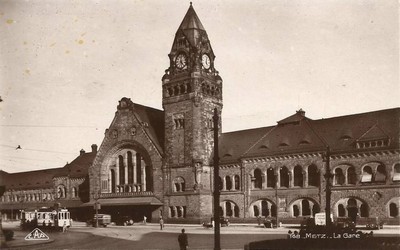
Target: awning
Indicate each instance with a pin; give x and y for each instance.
(126, 201)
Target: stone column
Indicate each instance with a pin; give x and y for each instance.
(134, 167)
(126, 167)
(143, 176)
(305, 178)
(263, 180)
(291, 179)
(117, 172)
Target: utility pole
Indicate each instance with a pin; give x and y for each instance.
(217, 239)
(328, 176)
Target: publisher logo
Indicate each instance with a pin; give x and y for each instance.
(37, 234)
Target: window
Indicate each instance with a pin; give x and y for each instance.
(341, 210)
(302, 207)
(364, 210)
(366, 174)
(380, 175)
(298, 176)
(284, 177)
(237, 182)
(256, 211)
(179, 121)
(258, 178)
(296, 211)
(228, 183)
(339, 177)
(265, 211)
(313, 176)
(351, 176)
(60, 192)
(393, 210)
(271, 178)
(74, 192)
(179, 184)
(121, 170)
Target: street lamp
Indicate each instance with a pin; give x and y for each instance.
(96, 207)
(276, 199)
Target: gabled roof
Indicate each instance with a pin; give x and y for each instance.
(153, 120)
(299, 134)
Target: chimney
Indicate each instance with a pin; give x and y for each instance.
(94, 148)
(81, 152)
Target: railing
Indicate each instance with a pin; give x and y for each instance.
(126, 194)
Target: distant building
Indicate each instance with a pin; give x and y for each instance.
(159, 162)
(66, 187)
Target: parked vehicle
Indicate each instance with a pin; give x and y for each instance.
(270, 223)
(124, 221)
(103, 220)
(224, 222)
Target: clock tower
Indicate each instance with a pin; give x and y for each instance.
(192, 89)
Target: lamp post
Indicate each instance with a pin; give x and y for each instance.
(217, 240)
(328, 176)
(276, 200)
(96, 207)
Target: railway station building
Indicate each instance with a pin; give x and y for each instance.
(157, 163)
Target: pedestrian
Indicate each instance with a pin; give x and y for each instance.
(183, 240)
(161, 223)
(259, 220)
(144, 219)
(65, 227)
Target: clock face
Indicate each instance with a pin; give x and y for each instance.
(205, 60)
(181, 61)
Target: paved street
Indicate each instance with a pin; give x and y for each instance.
(150, 236)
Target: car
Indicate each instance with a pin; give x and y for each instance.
(269, 222)
(101, 220)
(345, 222)
(124, 221)
(224, 222)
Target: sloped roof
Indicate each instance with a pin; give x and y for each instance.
(233, 145)
(191, 26)
(299, 134)
(79, 167)
(31, 179)
(154, 118)
(334, 130)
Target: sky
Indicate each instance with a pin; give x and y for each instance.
(65, 64)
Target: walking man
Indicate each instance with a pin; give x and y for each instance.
(161, 223)
(144, 220)
(183, 240)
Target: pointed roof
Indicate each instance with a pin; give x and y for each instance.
(191, 20)
(191, 27)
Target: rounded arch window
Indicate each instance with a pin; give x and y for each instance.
(179, 184)
(339, 176)
(228, 183)
(351, 176)
(298, 176)
(313, 176)
(366, 174)
(284, 177)
(257, 178)
(380, 175)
